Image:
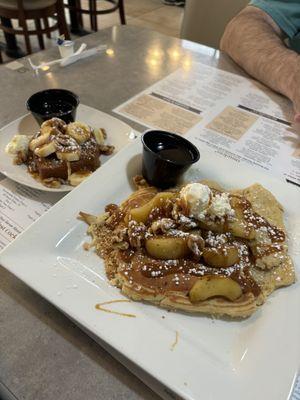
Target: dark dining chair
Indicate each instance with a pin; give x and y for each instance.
(75, 8)
(37, 10)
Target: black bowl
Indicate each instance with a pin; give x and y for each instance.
(166, 156)
(52, 103)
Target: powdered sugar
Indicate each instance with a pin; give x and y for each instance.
(220, 206)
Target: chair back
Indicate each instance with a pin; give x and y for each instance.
(21, 10)
(204, 21)
(20, 4)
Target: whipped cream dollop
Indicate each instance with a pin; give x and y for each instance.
(17, 144)
(201, 202)
(197, 198)
(220, 206)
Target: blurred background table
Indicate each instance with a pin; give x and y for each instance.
(43, 354)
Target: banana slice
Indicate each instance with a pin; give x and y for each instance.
(99, 135)
(39, 141)
(45, 150)
(53, 125)
(50, 130)
(79, 131)
(67, 148)
(68, 156)
(77, 177)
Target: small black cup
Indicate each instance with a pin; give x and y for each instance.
(52, 103)
(166, 156)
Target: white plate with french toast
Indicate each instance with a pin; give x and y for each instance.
(57, 156)
(251, 352)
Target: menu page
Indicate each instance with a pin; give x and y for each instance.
(236, 117)
(177, 102)
(253, 126)
(296, 391)
(20, 206)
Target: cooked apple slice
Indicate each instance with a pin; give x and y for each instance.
(239, 226)
(240, 229)
(167, 248)
(138, 199)
(224, 256)
(141, 214)
(215, 285)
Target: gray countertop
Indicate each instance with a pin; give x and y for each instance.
(43, 355)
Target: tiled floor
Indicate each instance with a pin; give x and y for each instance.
(152, 14)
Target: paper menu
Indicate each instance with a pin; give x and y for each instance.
(251, 127)
(236, 117)
(296, 391)
(177, 102)
(20, 206)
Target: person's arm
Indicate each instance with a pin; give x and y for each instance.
(255, 42)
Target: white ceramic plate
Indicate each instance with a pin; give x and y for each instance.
(119, 134)
(256, 358)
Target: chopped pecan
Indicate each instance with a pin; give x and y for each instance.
(121, 245)
(106, 149)
(185, 223)
(140, 182)
(20, 158)
(120, 235)
(120, 238)
(196, 244)
(136, 234)
(87, 218)
(93, 219)
(116, 216)
(162, 225)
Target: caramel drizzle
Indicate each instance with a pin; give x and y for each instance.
(174, 344)
(100, 307)
(256, 221)
(240, 273)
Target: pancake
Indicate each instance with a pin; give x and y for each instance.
(220, 254)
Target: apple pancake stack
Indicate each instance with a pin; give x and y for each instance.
(196, 248)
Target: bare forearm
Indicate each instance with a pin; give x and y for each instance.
(255, 42)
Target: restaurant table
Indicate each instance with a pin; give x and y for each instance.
(44, 355)
(14, 51)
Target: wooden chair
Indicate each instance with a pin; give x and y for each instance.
(75, 7)
(38, 10)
